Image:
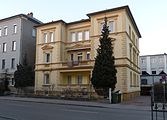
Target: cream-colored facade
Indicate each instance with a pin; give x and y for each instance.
(65, 52)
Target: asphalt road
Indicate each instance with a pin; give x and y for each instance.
(15, 110)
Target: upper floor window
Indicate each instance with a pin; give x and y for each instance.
(111, 26)
(13, 45)
(79, 36)
(13, 63)
(47, 57)
(133, 37)
(153, 72)
(79, 56)
(0, 32)
(86, 35)
(129, 31)
(34, 32)
(14, 28)
(88, 55)
(5, 30)
(46, 79)
(72, 57)
(73, 37)
(101, 26)
(153, 60)
(4, 49)
(51, 37)
(45, 38)
(3, 64)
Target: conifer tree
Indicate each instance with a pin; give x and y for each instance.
(24, 75)
(104, 71)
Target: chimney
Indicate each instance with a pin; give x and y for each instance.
(30, 14)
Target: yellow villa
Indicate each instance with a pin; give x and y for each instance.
(65, 52)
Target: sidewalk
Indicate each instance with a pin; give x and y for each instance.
(124, 105)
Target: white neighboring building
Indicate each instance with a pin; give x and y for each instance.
(152, 69)
(153, 64)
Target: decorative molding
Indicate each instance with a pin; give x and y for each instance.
(47, 47)
(79, 46)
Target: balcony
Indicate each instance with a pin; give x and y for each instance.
(77, 63)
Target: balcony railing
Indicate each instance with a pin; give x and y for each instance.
(76, 63)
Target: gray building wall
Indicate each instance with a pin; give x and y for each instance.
(25, 42)
(9, 54)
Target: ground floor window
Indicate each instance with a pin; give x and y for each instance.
(69, 79)
(79, 79)
(46, 78)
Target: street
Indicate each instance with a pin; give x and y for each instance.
(15, 110)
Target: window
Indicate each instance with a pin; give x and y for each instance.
(129, 31)
(45, 38)
(46, 78)
(13, 45)
(12, 82)
(5, 30)
(143, 81)
(101, 26)
(69, 79)
(0, 32)
(153, 72)
(86, 35)
(111, 26)
(79, 36)
(47, 57)
(133, 36)
(131, 82)
(51, 37)
(153, 60)
(79, 79)
(13, 63)
(72, 57)
(79, 56)
(88, 56)
(33, 32)
(73, 37)
(3, 64)
(4, 47)
(14, 28)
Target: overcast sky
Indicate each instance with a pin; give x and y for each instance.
(150, 16)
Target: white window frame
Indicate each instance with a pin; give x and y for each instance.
(69, 80)
(34, 32)
(4, 47)
(73, 36)
(13, 45)
(87, 54)
(101, 26)
(80, 36)
(46, 79)
(79, 79)
(72, 57)
(47, 57)
(12, 63)
(14, 28)
(3, 63)
(5, 30)
(51, 37)
(80, 56)
(87, 35)
(111, 25)
(45, 37)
